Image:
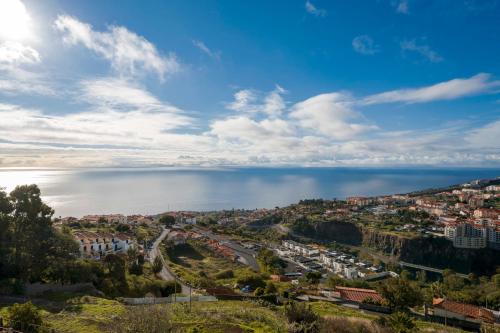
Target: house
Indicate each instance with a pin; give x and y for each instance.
(461, 311)
(358, 295)
(359, 201)
(177, 237)
(96, 245)
(350, 272)
(486, 213)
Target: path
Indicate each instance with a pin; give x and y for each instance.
(165, 273)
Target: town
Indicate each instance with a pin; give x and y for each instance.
(357, 254)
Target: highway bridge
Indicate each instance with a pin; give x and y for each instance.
(426, 268)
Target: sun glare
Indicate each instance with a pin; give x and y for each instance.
(15, 22)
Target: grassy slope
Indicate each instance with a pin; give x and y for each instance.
(188, 261)
(90, 314)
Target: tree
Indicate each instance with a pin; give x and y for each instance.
(25, 317)
(157, 265)
(422, 277)
(313, 277)
(259, 291)
(400, 294)
(270, 262)
(167, 220)
(270, 288)
(32, 231)
(116, 279)
(400, 322)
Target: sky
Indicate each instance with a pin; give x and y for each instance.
(249, 83)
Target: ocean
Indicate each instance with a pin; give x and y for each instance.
(154, 190)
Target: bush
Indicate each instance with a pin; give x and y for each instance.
(227, 274)
(253, 280)
(25, 317)
(259, 291)
(270, 288)
(135, 269)
(344, 325)
(142, 319)
(301, 318)
(157, 265)
(398, 322)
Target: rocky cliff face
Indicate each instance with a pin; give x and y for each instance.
(429, 251)
(342, 232)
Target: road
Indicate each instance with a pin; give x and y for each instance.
(165, 273)
(247, 256)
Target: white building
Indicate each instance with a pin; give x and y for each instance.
(96, 245)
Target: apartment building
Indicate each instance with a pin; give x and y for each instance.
(96, 245)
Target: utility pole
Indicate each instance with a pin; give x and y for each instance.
(175, 289)
(190, 298)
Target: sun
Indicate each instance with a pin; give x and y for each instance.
(15, 22)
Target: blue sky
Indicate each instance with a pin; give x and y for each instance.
(313, 83)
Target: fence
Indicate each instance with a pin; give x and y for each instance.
(169, 299)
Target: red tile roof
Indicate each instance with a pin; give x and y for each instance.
(467, 310)
(358, 294)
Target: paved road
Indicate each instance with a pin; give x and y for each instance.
(165, 273)
(246, 255)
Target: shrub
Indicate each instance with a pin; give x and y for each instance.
(398, 322)
(25, 317)
(142, 319)
(135, 269)
(344, 325)
(259, 291)
(270, 288)
(227, 274)
(157, 265)
(253, 280)
(301, 318)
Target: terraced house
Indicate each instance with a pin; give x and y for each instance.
(96, 245)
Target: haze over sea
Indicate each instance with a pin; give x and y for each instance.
(149, 191)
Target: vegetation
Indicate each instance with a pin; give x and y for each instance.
(26, 318)
(157, 265)
(301, 318)
(400, 293)
(269, 262)
(201, 267)
(30, 248)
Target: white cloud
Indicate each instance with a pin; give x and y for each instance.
(129, 53)
(15, 53)
(422, 49)
(312, 9)
(402, 6)
(365, 45)
(447, 90)
(122, 95)
(330, 115)
(101, 127)
(487, 136)
(249, 101)
(204, 48)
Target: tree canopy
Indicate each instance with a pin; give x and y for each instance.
(30, 248)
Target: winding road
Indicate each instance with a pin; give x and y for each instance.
(165, 273)
(247, 256)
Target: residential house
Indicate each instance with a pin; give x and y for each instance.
(450, 309)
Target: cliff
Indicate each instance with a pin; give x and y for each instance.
(423, 250)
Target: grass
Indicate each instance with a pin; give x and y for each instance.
(191, 261)
(85, 314)
(330, 309)
(91, 315)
